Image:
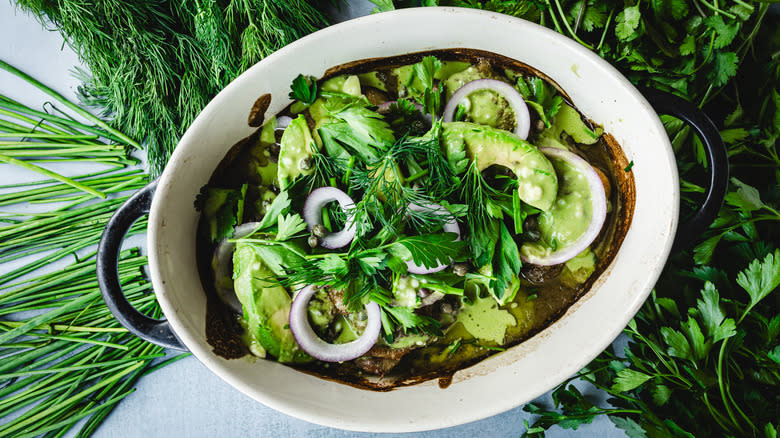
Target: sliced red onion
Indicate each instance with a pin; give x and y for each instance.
(598, 208)
(312, 214)
(451, 226)
(313, 345)
(222, 264)
(515, 100)
(385, 106)
(282, 122)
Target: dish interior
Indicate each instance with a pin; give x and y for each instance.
(543, 293)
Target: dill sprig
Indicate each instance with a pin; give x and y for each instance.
(153, 65)
(387, 195)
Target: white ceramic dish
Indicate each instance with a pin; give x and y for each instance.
(494, 385)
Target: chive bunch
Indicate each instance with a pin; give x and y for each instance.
(64, 359)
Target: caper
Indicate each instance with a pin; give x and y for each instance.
(273, 153)
(306, 163)
(540, 125)
(532, 235)
(530, 223)
(460, 269)
(319, 230)
(313, 241)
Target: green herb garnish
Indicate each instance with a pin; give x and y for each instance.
(304, 89)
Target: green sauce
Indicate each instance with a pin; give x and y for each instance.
(570, 215)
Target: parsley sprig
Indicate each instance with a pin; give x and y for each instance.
(304, 89)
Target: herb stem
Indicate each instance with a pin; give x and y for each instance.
(46, 172)
(568, 27)
(73, 107)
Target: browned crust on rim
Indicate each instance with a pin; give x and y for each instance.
(257, 113)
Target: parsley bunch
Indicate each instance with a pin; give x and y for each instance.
(703, 353)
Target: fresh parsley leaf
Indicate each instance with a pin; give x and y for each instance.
(363, 130)
(713, 318)
(629, 426)
(333, 264)
(371, 261)
(669, 305)
(506, 264)
(627, 22)
(304, 89)
(410, 321)
(746, 197)
(628, 379)
(677, 344)
(725, 32)
(279, 257)
(425, 70)
(661, 394)
(594, 16)
(702, 253)
(725, 67)
(405, 119)
(699, 346)
(430, 250)
(774, 354)
(540, 96)
(734, 135)
(289, 226)
(382, 6)
(279, 205)
(760, 278)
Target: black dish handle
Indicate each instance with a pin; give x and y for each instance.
(667, 103)
(155, 331)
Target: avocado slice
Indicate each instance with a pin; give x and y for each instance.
(294, 152)
(537, 181)
(568, 120)
(266, 305)
(347, 84)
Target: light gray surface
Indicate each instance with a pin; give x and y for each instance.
(185, 399)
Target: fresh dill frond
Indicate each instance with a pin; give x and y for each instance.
(387, 197)
(153, 65)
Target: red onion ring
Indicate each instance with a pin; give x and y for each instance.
(312, 215)
(515, 100)
(451, 226)
(312, 344)
(598, 208)
(222, 264)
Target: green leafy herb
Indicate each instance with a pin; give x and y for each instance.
(541, 96)
(410, 321)
(303, 89)
(405, 119)
(182, 53)
(507, 263)
(289, 226)
(425, 71)
(430, 250)
(65, 362)
(707, 336)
